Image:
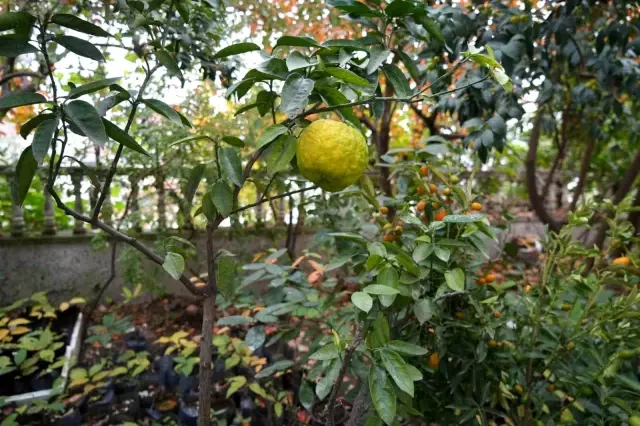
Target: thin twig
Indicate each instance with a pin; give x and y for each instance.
(348, 354)
(275, 197)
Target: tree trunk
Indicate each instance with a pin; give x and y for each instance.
(208, 319)
(584, 170)
(537, 202)
(382, 142)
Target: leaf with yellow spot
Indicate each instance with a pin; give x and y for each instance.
(235, 383)
(20, 330)
(3, 333)
(63, 306)
(78, 382)
(118, 371)
(18, 321)
(162, 340)
(77, 301)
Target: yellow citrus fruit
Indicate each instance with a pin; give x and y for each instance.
(332, 154)
(621, 260)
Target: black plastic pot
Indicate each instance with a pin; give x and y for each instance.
(136, 342)
(188, 414)
(72, 418)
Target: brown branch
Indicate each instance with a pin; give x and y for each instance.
(359, 405)
(348, 354)
(208, 319)
(537, 202)
(268, 200)
(562, 149)
(6, 78)
(584, 170)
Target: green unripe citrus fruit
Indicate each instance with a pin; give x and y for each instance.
(332, 154)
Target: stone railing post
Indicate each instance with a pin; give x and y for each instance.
(17, 214)
(259, 210)
(76, 180)
(280, 211)
(162, 208)
(134, 205)
(49, 216)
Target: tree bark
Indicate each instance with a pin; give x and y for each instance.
(537, 202)
(562, 149)
(359, 405)
(208, 319)
(382, 142)
(584, 170)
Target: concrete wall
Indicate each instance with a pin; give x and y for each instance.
(67, 265)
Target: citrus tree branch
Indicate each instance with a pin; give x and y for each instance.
(275, 197)
(116, 159)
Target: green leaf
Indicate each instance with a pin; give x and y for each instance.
(377, 56)
(297, 42)
(94, 86)
(424, 310)
(164, 110)
(208, 208)
(332, 97)
(410, 65)
(296, 60)
(345, 44)
(193, 182)
(398, 8)
(13, 20)
(415, 374)
(280, 153)
(174, 265)
(120, 136)
(79, 47)
(463, 218)
(11, 47)
(236, 49)
(396, 367)
(13, 100)
(235, 320)
(407, 263)
(422, 251)
(380, 332)
(270, 134)
(85, 116)
(388, 277)
(306, 395)
(326, 352)
(455, 279)
(25, 171)
(398, 80)
(275, 367)
(362, 301)
(295, 94)
(233, 141)
(230, 161)
(442, 253)
(346, 76)
(432, 28)
(169, 61)
(383, 395)
(88, 171)
(42, 139)
(380, 289)
(222, 197)
(235, 384)
(255, 337)
(225, 274)
(80, 25)
(406, 348)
